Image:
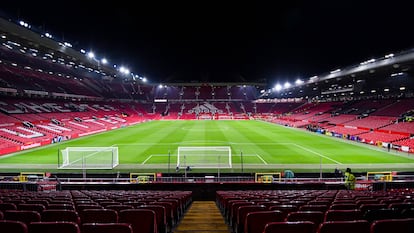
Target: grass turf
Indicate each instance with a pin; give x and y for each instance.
(256, 146)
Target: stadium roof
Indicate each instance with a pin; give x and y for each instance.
(232, 41)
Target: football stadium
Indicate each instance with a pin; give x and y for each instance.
(88, 147)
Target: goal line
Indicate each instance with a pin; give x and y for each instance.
(204, 157)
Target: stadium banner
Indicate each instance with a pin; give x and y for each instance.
(9, 150)
(28, 146)
(405, 148)
(365, 185)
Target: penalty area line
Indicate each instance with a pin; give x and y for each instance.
(260, 157)
(149, 157)
(154, 155)
(316, 153)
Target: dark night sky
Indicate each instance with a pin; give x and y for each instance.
(170, 41)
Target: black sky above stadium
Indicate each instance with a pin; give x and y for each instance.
(271, 41)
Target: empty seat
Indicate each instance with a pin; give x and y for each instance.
(232, 215)
(400, 205)
(7, 206)
(26, 216)
(357, 226)
(285, 209)
(53, 227)
(61, 206)
(343, 206)
(366, 201)
(60, 215)
(289, 227)
(106, 228)
(142, 220)
(322, 208)
(87, 206)
(343, 215)
(98, 216)
(320, 202)
(256, 221)
(169, 213)
(242, 211)
(44, 202)
(228, 207)
(106, 203)
(312, 216)
(11, 226)
(161, 217)
(377, 214)
(119, 207)
(407, 213)
(390, 225)
(35, 207)
(365, 207)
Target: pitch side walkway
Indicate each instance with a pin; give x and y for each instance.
(203, 216)
(387, 166)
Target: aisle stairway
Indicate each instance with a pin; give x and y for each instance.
(203, 216)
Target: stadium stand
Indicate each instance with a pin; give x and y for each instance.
(45, 100)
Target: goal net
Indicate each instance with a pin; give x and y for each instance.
(88, 158)
(204, 157)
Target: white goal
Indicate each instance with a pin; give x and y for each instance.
(88, 158)
(204, 157)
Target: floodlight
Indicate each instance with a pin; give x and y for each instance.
(298, 81)
(278, 87)
(335, 71)
(389, 55)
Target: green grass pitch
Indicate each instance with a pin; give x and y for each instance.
(256, 147)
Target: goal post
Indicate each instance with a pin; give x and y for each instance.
(88, 158)
(204, 157)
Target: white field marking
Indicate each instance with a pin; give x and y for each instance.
(149, 157)
(261, 159)
(154, 155)
(201, 141)
(363, 145)
(316, 153)
(204, 129)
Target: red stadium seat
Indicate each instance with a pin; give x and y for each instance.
(343, 215)
(393, 225)
(26, 216)
(11, 226)
(257, 220)
(289, 227)
(358, 226)
(60, 215)
(142, 220)
(98, 216)
(106, 228)
(53, 227)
